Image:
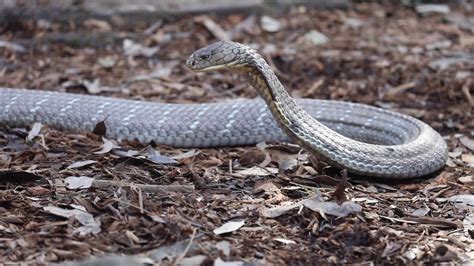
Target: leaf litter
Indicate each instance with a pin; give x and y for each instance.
(148, 201)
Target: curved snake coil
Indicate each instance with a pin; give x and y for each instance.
(363, 139)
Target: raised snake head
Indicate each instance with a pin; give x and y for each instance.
(219, 55)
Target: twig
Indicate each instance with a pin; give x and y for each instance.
(135, 188)
(187, 247)
(143, 187)
(213, 28)
(467, 94)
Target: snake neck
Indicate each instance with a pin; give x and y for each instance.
(263, 79)
(296, 122)
(288, 114)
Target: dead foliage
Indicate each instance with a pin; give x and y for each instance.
(69, 196)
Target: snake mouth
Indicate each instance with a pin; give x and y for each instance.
(209, 68)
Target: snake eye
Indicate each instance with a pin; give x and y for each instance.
(204, 56)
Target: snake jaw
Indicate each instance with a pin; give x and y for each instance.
(206, 69)
(212, 67)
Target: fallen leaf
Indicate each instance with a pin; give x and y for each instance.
(107, 146)
(224, 246)
(432, 8)
(252, 157)
(353, 22)
(456, 152)
(270, 24)
(270, 191)
(460, 21)
(80, 164)
(460, 75)
(316, 37)
(229, 227)
(160, 159)
(186, 155)
(220, 262)
(467, 142)
(106, 62)
(132, 237)
(12, 46)
(463, 201)
(439, 45)
(446, 62)
(280, 210)
(147, 155)
(102, 25)
(122, 260)
(90, 225)
(258, 171)
(468, 158)
(284, 160)
(35, 130)
(37, 190)
(94, 87)
(194, 260)
(162, 70)
(413, 253)
(172, 251)
(130, 48)
(157, 218)
(421, 212)
(468, 225)
(390, 249)
(467, 180)
(78, 182)
(284, 241)
(332, 208)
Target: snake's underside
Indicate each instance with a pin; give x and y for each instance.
(230, 123)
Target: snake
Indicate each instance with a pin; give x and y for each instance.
(363, 139)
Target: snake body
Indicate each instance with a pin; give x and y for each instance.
(363, 139)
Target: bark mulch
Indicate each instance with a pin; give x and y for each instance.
(70, 196)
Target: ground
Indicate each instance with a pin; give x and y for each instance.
(269, 204)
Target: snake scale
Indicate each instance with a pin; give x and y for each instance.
(364, 140)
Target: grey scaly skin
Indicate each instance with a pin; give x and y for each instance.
(339, 132)
(422, 152)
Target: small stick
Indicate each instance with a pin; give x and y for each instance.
(143, 187)
(187, 247)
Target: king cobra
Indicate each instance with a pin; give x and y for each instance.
(365, 140)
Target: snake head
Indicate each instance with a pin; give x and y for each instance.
(219, 55)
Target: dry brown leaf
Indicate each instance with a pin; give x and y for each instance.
(252, 157)
(80, 164)
(258, 171)
(467, 142)
(467, 180)
(102, 25)
(229, 227)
